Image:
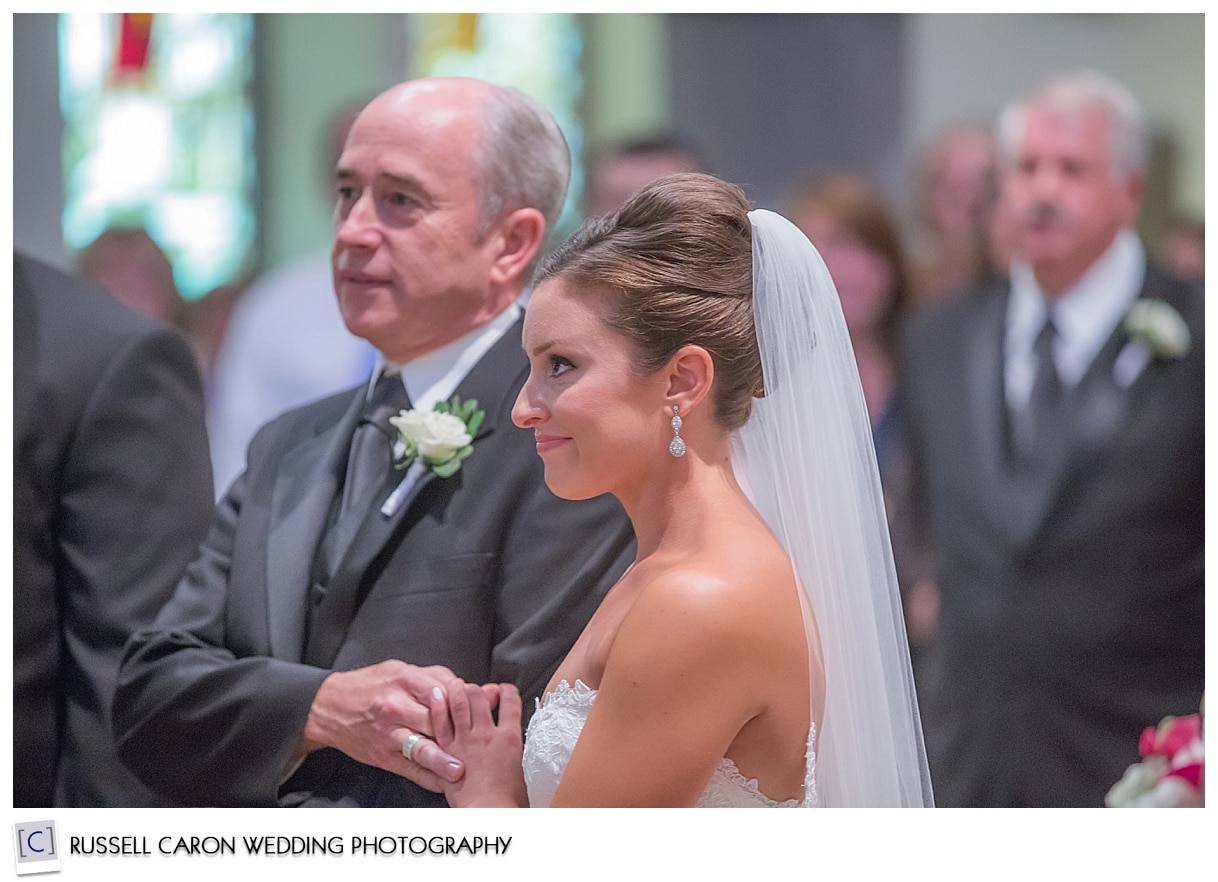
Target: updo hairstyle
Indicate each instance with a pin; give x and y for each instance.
(676, 266)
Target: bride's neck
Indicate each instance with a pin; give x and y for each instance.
(672, 512)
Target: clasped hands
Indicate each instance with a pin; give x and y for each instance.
(464, 752)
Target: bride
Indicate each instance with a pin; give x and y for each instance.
(689, 356)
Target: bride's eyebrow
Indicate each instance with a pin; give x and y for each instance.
(542, 348)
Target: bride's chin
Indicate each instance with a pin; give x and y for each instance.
(564, 488)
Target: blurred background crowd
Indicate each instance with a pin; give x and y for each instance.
(873, 133)
(875, 129)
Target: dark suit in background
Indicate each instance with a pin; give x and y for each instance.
(1072, 605)
(111, 497)
(1067, 524)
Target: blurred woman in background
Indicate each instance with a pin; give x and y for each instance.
(848, 221)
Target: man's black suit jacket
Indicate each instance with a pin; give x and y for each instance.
(485, 572)
(1072, 611)
(112, 494)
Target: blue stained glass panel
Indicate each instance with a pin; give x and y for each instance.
(159, 133)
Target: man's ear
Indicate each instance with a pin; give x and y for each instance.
(691, 373)
(518, 236)
(1132, 190)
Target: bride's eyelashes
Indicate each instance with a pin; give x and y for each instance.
(559, 365)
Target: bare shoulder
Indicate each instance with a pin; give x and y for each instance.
(723, 605)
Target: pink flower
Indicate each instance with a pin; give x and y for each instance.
(1170, 736)
(1192, 774)
(1172, 771)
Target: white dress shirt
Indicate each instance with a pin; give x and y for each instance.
(1085, 315)
(435, 376)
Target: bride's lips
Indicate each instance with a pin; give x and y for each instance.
(546, 443)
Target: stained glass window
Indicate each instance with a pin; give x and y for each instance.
(159, 134)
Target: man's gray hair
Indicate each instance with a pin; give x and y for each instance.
(522, 160)
(1077, 92)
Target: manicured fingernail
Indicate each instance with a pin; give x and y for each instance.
(437, 693)
(454, 770)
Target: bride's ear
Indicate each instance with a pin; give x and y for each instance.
(691, 373)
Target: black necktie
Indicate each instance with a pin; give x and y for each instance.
(369, 468)
(1041, 408)
(371, 455)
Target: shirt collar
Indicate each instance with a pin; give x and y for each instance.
(1086, 313)
(435, 376)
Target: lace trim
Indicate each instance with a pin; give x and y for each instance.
(728, 770)
(811, 797)
(564, 693)
(582, 695)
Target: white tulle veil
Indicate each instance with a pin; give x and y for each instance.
(807, 460)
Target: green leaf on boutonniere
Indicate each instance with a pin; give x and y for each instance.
(466, 411)
(442, 437)
(450, 467)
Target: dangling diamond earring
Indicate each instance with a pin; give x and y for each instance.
(677, 446)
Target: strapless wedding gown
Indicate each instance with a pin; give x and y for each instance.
(555, 727)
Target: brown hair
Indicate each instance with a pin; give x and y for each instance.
(676, 262)
(855, 207)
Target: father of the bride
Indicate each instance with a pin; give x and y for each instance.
(293, 664)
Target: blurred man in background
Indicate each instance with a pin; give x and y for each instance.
(1056, 418)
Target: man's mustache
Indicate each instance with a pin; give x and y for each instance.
(1045, 214)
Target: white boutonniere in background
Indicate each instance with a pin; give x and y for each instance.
(442, 438)
(1155, 330)
(1160, 326)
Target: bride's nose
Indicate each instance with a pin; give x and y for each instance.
(527, 412)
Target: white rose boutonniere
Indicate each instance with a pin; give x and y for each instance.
(1155, 330)
(442, 437)
(1161, 328)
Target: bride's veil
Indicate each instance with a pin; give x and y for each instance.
(808, 462)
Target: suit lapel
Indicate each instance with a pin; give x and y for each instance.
(1019, 498)
(304, 491)
(486, 384)
(375, 531)
(1099, 405)
(1034, 487)
(987, 413)
(1092, 418)
(1104, 407)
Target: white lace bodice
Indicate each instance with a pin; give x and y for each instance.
(555, 728)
